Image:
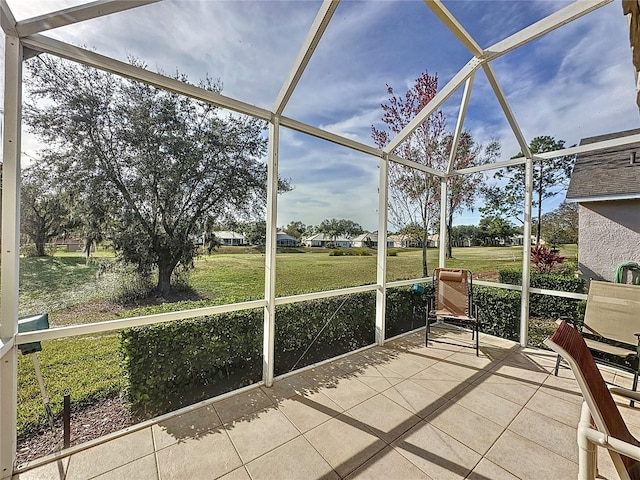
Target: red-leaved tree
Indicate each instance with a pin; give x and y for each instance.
(414, 196)
(463, 189)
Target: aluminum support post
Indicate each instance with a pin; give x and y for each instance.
(526, 254)
(10, 251)
(270, 254)
(442, 236)
(381, 292)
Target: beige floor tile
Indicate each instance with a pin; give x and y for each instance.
(467, 427)
(488, 470)
(349, 392)
(287, 388)
(324, 376)
(309, 411)
(110, 455)
(237, 474)
(528, 460)
(547, 433)
(556, 408)
(344, 443)
(408, 364)
(470, 360)
(623, 379)
(144, 468)
(352, 364)
(55, 470)
(256, 435)
(388, 464)
(415, 398)
(294, 460)
(532, 376)
(513, 390)
(489, 405)
(459, 371)
(191, 425)
(437, 454)
(379, 378)
(208, 456)
(385, 418)
(564, 388)
(243, 404)
(439, 382)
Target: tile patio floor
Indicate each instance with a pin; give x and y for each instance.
(401, 411)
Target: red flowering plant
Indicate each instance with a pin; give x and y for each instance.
(544, 260)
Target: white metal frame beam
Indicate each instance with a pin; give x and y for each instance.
(511, 118)
(270, 254)
(454, 26)
(552, 22)
(381, 263)
(308, 47)
(10, 271)
(45, 44)
(79, 13)
(7, 20)
(468, 86)
(438, 99)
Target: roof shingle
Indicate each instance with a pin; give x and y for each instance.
(606, 172)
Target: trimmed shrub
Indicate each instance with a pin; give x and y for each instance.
(547, 306)
(173, 364)
(498, 311)
(406, 311)
(316, 330)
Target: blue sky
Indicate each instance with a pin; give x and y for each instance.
(572, 83)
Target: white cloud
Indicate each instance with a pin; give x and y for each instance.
(572, 83)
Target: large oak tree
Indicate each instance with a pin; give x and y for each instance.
(159, 162)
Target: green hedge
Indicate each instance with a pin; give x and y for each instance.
(169, 365)
(547, 306)
(351, 325)
(406, 311)
(173, 364)
(498, 311)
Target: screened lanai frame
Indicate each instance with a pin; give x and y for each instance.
(23, 39)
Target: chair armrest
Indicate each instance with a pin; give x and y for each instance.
(624, 392)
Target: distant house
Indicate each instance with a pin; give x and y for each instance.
(369, 240)
(404, 241)
(606, 186)
(285, 240)
(229, 238)
(323, 240)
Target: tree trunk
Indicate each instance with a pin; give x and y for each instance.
(165, 270)
(449, 227)
(40, 248)
(540, 192)
(425, 267)
(87, 249)
(40, 241)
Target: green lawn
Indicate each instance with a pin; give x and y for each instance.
(89, 367)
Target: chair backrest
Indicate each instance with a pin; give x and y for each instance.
(453, 290)
(613, 311)
(568, 342)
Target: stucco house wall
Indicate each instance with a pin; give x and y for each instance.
(609, 236)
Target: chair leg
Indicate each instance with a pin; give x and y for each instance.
(587, 451)
(426, 335)
(477, 340)
(635, 386)
(555, 372)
